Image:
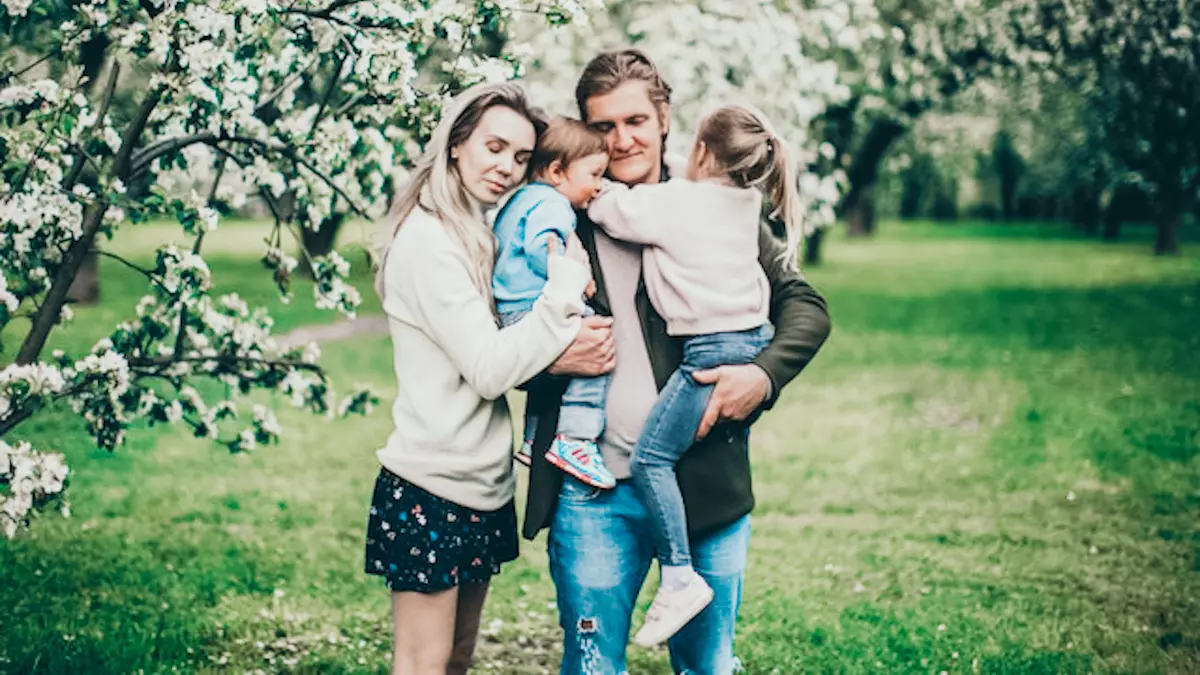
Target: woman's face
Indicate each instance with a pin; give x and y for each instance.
(494, 158)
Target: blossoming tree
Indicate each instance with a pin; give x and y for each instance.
(311, 106)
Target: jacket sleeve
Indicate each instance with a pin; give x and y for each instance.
(798, 313)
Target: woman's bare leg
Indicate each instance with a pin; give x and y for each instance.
(423, 631)
(466, 626)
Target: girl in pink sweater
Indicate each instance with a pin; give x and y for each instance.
(701, 269)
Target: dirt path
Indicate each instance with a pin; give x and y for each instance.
(332, 332)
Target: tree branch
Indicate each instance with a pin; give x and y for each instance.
(133, 266)
(80, 156)
(56, 51)
(225, 360)
(183, 310)
(48, 313)
(290, 153)
(144, 157)
(325, 98)
(121, 164)
(156, 150)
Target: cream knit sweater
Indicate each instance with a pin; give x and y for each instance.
(453, 434)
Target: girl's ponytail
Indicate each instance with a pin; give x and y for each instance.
(782, 187)
(744, 146)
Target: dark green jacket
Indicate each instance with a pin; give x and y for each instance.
(714, 475)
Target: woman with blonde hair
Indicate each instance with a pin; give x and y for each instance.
(442, 519)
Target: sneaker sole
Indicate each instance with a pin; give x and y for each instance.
(566, 467)
(523, 459)
(684, 619)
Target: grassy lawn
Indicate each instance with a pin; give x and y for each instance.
(991, 468)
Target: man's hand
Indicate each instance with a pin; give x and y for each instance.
(737, 392)
(592, 353)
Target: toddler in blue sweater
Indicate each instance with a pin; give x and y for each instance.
(565, 173)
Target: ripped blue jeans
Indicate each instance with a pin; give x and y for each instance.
(601, 545)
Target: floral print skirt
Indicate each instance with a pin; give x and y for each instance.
(420, 542)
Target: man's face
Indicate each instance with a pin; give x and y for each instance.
(634, 129)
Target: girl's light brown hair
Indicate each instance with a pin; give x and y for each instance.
(565, 140)
(435, 186)
(741, 144)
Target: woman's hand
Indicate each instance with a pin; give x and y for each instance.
(575, 250)
(592, 353)
(569, 268)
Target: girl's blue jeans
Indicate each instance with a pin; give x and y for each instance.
(671, 430)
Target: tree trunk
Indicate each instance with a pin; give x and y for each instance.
(85, 288)
(48, 314)
(1124, 196)
(1009, 165)
(912, 192)
(1112, 222)
(320, 242)
(864, 170)
(1085, 210)
(1167, 223)
(812, 247)
(860, 219)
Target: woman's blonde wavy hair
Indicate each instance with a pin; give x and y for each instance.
(435, 186)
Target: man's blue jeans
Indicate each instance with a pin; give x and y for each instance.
(581, 413)
(601, 546)
(671, 429)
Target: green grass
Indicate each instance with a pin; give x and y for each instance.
(991, 468)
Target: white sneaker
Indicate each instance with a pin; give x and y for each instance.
(672, 610)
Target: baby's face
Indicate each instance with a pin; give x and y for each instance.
(581, 181)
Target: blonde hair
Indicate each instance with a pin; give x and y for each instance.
(566, 140)
(742, 144)
(435, 186)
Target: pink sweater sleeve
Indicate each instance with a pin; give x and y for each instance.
(634, 214)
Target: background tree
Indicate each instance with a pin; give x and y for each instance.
(929, 53)
(1137, 66)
